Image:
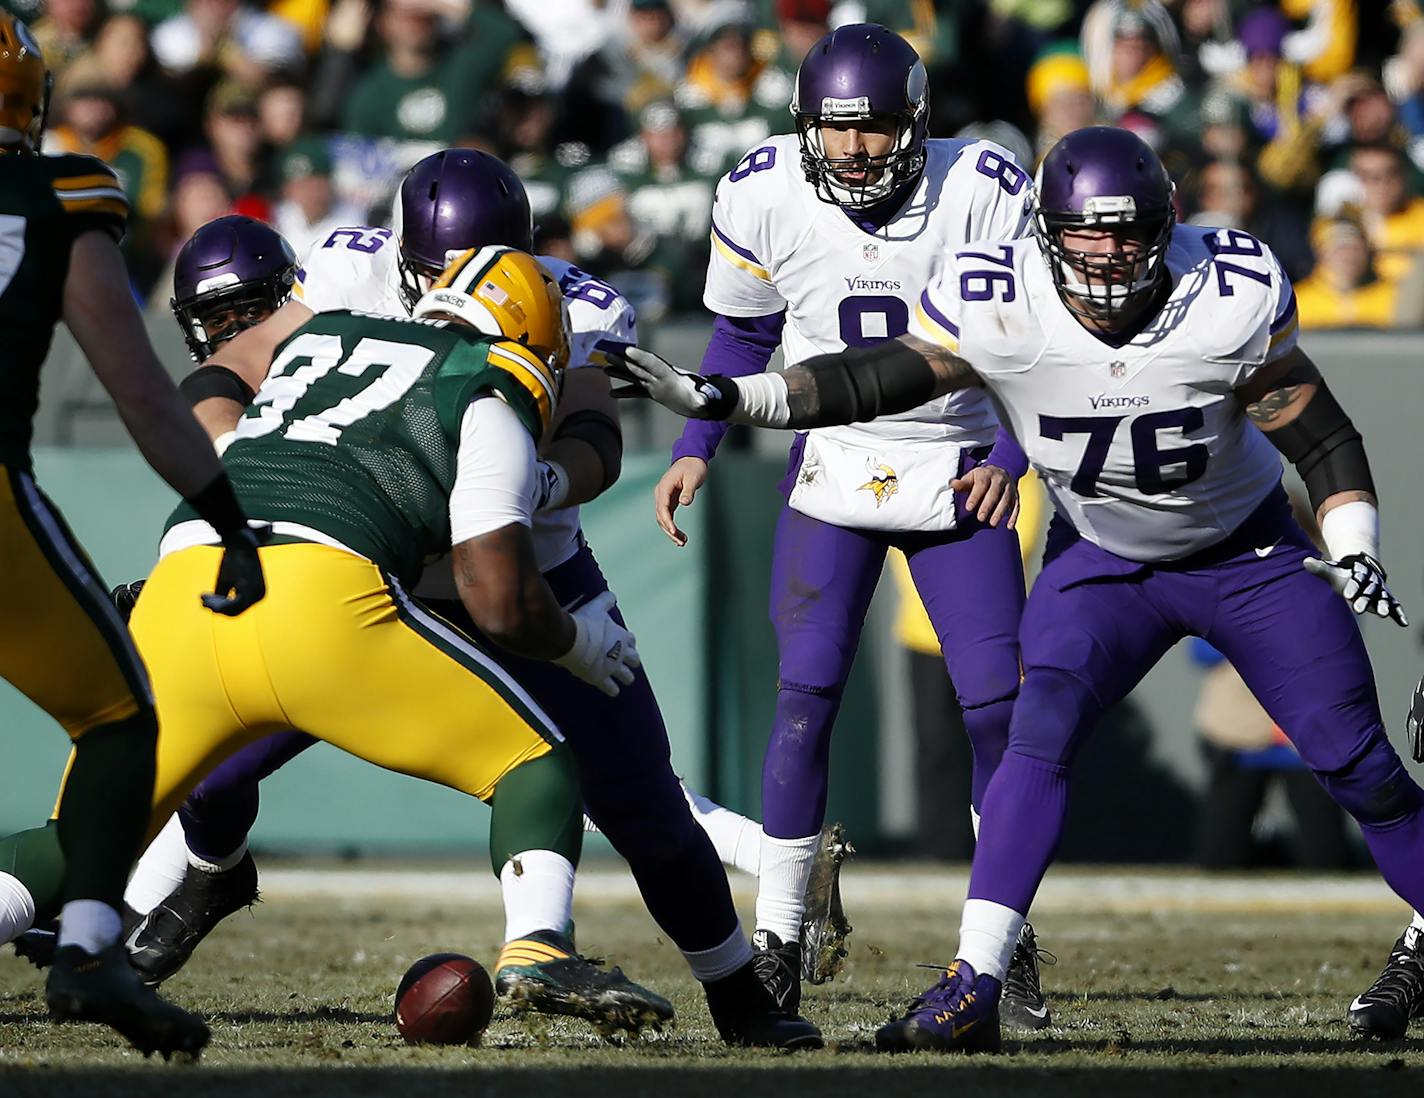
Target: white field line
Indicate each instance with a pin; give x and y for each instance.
(910, 887)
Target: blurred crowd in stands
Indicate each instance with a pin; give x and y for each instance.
(1301, 121)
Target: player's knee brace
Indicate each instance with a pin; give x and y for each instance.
(1374, 787)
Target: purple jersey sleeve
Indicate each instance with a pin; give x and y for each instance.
(740, 345)
(1008, 455)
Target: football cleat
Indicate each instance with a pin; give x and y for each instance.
(1385, 1009)
(747, 1016)
(960, 1013)
(88, 987)
(164, 941)
(37, 945)
(824, 927)
(542, 972)
(778, 966)
(1023, 1006)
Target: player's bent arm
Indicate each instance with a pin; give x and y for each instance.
(501, 587)
(1290, 402)
(855, 385)
(586, 443)
(100, 312)
(243, 361)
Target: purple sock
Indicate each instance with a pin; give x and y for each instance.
(217, 815)
(795, 776)
(1020, 825)
(986, 725)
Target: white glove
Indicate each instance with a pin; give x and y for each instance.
(1361, 580)
(551, 486)
(687, 394)
(603, 653)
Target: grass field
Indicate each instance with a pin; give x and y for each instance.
(1167, 984)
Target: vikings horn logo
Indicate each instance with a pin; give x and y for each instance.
(883, 483)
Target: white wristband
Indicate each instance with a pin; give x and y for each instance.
(1352, 527)
(553, 486)
(762, 401)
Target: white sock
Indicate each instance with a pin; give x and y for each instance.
(219, 865)
(17, 908)
(785, 872)
(988, 933)
(160, 869)
(722, 960)
(538, 887)
(736, 839)
(1417, 922)
(974, 821)
(90, 924)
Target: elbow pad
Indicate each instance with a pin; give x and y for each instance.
(1325, 448)
(863, 383)
(215, 381)
(602, 434)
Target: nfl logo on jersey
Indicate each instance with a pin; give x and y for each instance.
(1117, 369)
(870, 252)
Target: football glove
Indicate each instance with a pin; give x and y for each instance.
(687, 394)
(603, 652)
(1415, 723)
(124, 596)
(240, 582)
(1361, 580)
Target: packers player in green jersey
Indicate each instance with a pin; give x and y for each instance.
(61, 643)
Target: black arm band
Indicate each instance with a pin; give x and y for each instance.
(217, 506)
(1325, 448)
(862, 383)
(215, 381)
(600, 432)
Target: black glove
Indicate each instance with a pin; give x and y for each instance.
(240, 582)
(1415, 723)
(124, 596)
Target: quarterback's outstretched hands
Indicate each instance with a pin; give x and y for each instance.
(685, 393)
(603, 653)
(1361, 580)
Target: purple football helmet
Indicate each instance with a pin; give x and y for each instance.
(231, 274)
(861, 71)
(1103, 177)
(454, 200)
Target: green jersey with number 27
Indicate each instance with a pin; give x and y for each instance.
(355, 432)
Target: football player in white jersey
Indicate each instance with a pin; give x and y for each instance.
(447, 202)
(1152, 373)
(822, 240)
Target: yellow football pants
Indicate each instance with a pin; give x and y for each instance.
(61, 642)
(335, 650)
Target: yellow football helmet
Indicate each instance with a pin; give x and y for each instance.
(507, 293)
(24, 86)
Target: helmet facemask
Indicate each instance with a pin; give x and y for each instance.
(885, 175)
(246, 304)
(1111, 286)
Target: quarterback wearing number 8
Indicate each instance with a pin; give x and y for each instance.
(822, 240)
(1152, 373)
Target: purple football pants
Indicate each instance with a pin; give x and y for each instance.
(822, 578)
(1096, 623)
(625, 771)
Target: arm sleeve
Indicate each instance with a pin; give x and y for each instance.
(1008, 455)
(739, 346)
(739, 282)
(494, 472)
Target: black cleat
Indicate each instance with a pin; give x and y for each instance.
(37, 945)
(824, 927)
(1022, 1006)
(164, 940)
(87, 987)
(778, 967)
(747, 1016)
(1387, 1006)
(542, 972)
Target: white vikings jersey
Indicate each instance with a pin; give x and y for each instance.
(1144, 447)
(358, 268)
(776, 246)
